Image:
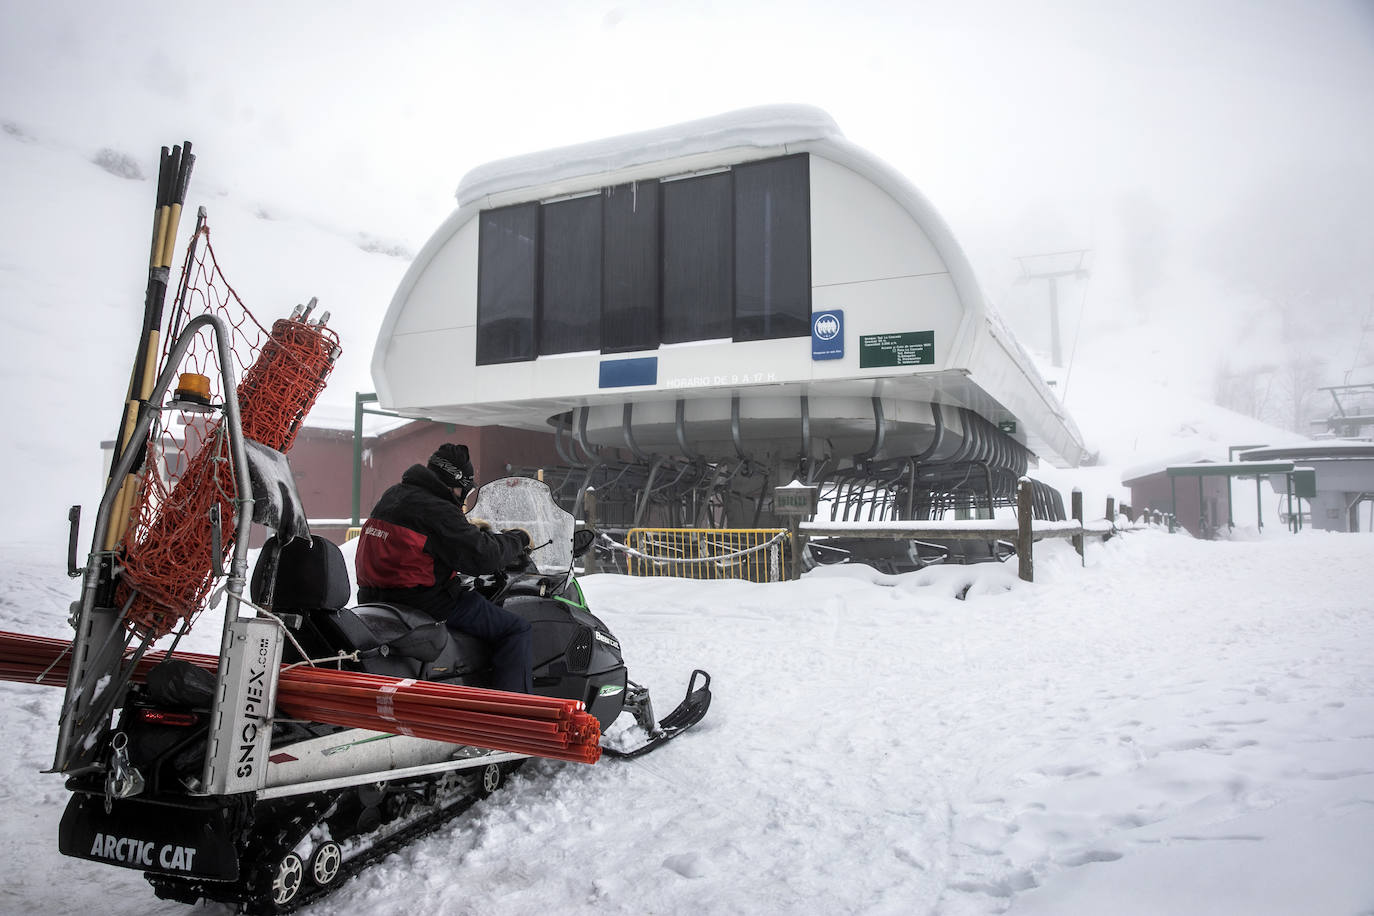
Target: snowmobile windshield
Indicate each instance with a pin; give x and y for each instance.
(523, 502)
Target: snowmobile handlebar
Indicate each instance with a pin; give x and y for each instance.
(522, 564)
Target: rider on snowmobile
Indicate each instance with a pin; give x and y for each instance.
(418, 539)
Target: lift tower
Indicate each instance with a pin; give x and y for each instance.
(1055, 264)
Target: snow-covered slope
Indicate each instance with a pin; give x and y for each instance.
(1143, 414)
(73, 269)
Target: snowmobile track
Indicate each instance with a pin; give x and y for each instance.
(258, 901)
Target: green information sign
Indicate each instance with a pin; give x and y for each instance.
(910, 348)
(794, 500)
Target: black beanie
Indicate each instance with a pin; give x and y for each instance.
(451, 465)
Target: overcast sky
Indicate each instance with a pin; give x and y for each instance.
(1031, 126)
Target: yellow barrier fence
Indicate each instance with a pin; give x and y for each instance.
(753, 554)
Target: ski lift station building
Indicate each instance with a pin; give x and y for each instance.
(748, 287)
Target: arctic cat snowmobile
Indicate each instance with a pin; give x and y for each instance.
(333, 799)
(190, 770)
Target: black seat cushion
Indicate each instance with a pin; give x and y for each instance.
(311, 575)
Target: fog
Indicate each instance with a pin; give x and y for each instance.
(1211, 159)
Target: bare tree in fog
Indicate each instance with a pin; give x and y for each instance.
(1298, 249)
(1144, 246)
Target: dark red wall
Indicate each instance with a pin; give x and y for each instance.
(322, 461)
(1153, 492)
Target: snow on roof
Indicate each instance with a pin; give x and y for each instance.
(339, 417)
(1316, 451)
(1159, 465)
(761, 126)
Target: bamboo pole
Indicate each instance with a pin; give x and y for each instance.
(174, 176)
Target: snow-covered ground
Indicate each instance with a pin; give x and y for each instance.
(1177, 727)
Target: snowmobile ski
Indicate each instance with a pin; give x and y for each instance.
(688, 713)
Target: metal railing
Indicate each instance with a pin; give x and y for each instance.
(1022, 531)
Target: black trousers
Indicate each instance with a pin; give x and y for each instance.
(508, 635)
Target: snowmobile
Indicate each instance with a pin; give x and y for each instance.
(188, 773)
(334, 799)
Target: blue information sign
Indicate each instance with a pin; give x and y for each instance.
(827, 334)
(624, 373)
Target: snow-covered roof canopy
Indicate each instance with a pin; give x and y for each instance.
(767, 126)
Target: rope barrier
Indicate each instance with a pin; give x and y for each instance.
(607, 541)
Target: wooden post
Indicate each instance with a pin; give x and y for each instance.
(1204, 522)
(1076, 501)
(1111, 514)
(589, 561)
(1024, 562)
(798, 545)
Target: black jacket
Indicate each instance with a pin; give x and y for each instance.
(418, 538)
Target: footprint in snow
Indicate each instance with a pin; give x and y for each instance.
(1087, 857)
(1005, 886)
(687, 864)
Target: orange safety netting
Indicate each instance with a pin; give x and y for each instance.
(167, 550)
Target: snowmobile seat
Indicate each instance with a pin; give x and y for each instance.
(311, 579)
(309, 575)
(411, 643)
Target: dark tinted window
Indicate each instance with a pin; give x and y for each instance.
(772, 249)
(508, 242)
(698, 282)
(716, 256)
(630, 286)
(570, 283)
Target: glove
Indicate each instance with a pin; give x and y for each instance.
(522, 536)
(480, 523)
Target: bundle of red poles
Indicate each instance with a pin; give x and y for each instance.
(516, 722)
(44, 660)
